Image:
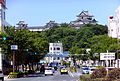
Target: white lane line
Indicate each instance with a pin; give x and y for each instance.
(70, 74)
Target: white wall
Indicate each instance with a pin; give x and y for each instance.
(114, 25)
(112, 28)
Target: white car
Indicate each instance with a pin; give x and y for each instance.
(48, 71)
(1, 76)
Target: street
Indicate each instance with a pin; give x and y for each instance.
(55, 77)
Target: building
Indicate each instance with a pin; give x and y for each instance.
(56, 53)
(21, 25)
(51, 24)
(117, 19)
(112, 29)
(37, 28)
(3, 22)
(24, 25)
(114, 24)
(83, 18)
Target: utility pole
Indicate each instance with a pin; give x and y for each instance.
(1, 59)
(13, 61)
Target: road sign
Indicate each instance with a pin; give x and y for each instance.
(14, 47)
(107, 56)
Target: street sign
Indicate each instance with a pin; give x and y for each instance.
(14, 47)
(107, 56)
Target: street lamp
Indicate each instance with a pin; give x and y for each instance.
(117, 41)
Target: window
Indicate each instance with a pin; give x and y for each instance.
(4, 15)
(51, 48)
(58, 48)
(58, 58)
(54, 58)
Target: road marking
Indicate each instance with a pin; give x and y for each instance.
(78, 80)
(64, 80)
(70, 74)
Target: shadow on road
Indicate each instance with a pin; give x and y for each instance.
(35, 75)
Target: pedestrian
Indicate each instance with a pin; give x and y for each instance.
(42, 69)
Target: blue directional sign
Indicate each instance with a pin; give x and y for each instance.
(14, 47)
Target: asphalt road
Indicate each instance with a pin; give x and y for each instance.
(55, 77)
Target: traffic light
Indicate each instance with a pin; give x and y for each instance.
(4, 38)
(7, 38)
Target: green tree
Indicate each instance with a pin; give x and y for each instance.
(31, 45)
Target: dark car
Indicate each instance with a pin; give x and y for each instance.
(42, 69)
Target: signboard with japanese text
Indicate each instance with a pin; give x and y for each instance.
(107, 56)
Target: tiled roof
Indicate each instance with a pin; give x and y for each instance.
(36, 27)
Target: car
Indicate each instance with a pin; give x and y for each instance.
(85, 70)
(92, 69)
(64, 71)
(48, 71)
(1, 75)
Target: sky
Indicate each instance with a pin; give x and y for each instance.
(40, 12)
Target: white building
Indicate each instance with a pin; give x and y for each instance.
(3, 22)
(112, 28)
(55, 48)
(56, 53)
(114, 24)
(117, 18)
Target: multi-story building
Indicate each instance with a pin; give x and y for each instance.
(56, 53)
(112, 28)
(2, 14)
(3, 22)
(114, 24)
(117, 18)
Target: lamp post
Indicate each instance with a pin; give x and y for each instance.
(117, 42)
(13, 61)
